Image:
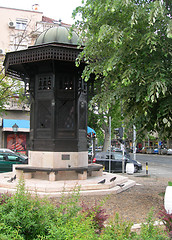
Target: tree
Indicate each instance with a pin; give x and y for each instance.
(9, 88)
(128, 47)
(99, 120)
(99, 111)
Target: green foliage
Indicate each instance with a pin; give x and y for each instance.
(121, 230)
(4, 197)
(9, 88)
(69, 206)
(98, 119)
(117, 229)
(128, 46)
(97, 215)
(151, 232)
(78, 227)
(169, 183)
(24, 216)
(8, 233)
(27, 215)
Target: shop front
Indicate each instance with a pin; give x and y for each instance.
(16, 139)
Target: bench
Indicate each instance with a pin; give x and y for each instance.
(52, 172)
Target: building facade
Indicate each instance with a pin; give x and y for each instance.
(20, 28)
(19, 114)
(17, 27)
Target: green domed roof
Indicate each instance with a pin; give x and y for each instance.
(58, 34)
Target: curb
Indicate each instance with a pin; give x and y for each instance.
(136, 227)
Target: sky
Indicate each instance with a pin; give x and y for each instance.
(56, 9)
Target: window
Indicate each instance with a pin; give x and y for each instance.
(44, 114)
(66, 82)
(21, 24)
(112, 156)
(66, 111)
(45, 82)
(13, 158)
(2, 157)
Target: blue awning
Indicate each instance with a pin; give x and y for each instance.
(24, 125)
(90, 130)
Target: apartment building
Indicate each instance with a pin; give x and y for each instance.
(19, 28)
(16, 28)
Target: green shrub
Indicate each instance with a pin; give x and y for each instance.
(121, 230)
(151, 232)
(117, 229)
(169, 183)
(7, 233)
(78, 227)
(28, 215)
(97, 214)
(24, 216)
(69, 206)
(74, 222)
(4, 197)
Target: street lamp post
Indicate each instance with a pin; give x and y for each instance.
(15, 130)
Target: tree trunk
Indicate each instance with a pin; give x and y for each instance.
(107, 138)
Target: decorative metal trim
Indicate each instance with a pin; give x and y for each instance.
(42, 53)
(45, 82)
(82, 87)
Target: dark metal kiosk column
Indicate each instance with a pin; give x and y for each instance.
(58, 125)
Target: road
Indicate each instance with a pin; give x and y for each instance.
(158, 165)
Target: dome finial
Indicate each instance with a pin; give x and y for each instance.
(60, 22)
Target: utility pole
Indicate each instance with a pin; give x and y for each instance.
(110, 144)
(92, 147)
(123, 152)
(134, 141)
(122, 136)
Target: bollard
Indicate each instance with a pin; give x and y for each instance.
(146, 167)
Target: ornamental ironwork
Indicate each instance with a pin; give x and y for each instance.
(43, 53)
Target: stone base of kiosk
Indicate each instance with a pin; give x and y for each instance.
(90, 186)
(58, 174)
(57, 166)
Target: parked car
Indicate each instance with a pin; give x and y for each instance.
(116, 149)
(116, 161)
(11, 151)
(163, 151)
(89, 157)
(138, 150)
(155, 150)
(147, 150)
(6, 150)
(169, 151)
(7, 159)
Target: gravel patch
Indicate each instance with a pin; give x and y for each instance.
(135, 203)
